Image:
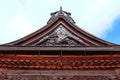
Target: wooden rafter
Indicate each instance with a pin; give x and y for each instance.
(60, 63)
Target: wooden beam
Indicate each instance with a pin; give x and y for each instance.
(64, 48)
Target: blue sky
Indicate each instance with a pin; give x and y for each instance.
(19, 18)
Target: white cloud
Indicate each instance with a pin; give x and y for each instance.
(97, 16)
(21, 23)
(94, 16)
(17, 28)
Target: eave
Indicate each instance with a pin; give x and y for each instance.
(59, 48)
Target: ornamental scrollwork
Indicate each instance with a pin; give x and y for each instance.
(60, 37)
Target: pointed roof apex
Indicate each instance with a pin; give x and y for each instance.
(67, 15)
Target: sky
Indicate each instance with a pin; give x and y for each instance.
(19, 18)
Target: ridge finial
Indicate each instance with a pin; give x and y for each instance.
(60, 9)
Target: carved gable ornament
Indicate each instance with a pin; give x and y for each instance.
(60, 37)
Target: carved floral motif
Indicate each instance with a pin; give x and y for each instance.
(60, 37)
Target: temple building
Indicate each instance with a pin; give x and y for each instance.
(60, 51)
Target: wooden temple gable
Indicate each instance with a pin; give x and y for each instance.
(60, 31)
(60, 51)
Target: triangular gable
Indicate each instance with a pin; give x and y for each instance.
(60, 32)
(60, 37)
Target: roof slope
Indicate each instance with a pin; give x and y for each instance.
(60, 31)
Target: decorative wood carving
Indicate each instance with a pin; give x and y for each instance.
(60, 37)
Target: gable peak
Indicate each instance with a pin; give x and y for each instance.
(67, 15)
